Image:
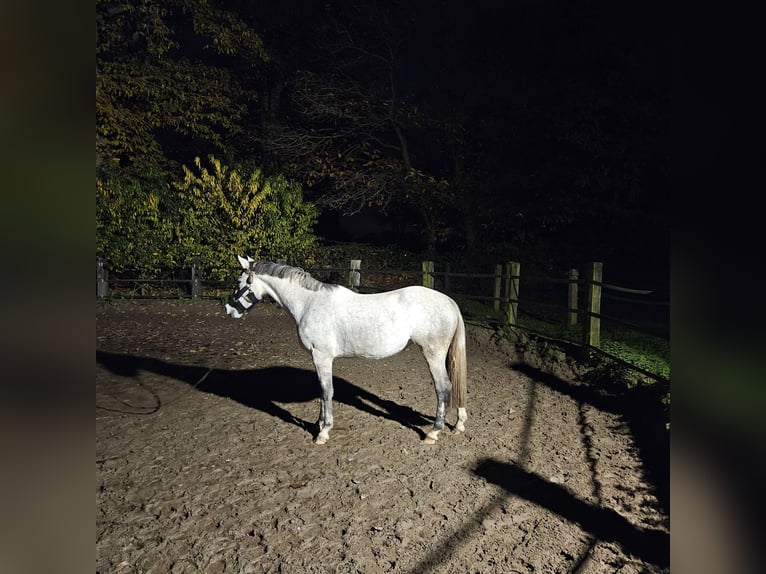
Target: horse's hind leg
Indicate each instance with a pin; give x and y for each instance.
(323, 365)
(442, 385)
(462, 416)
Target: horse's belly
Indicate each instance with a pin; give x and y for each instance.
(370, 344)
(375, 350)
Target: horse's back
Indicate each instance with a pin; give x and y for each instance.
(423, 315)
(380, 324)
(433, 315)
(413, 305)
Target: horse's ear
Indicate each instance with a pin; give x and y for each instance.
(245, 263)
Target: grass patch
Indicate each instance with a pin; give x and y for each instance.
(646, 352)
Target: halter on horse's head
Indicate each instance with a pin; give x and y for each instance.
(243, 299)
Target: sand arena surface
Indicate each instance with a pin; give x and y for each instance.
(222, 475)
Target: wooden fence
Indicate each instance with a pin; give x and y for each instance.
(581, 304)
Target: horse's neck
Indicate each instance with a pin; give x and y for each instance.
(292, 297)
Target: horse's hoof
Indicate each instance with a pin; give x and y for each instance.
(429, 440)
(320, 440)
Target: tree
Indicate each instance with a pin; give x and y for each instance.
(349, 125)
(169, 81)
(214, 213)
(240, 210)
(134, 224)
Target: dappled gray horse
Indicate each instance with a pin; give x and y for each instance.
(334, 321)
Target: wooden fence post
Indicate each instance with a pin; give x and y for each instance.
(512, 276)
(196, 288)
(573, 277)
(498, 286)
(592, 323)
(428, 271)
(102, 279)
(354, 277)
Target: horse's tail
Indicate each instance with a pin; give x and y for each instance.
(456, 365)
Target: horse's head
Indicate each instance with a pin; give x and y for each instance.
(249, 291)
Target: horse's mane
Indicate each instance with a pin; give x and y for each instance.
(292, 274)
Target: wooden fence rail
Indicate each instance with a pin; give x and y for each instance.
(504, 295)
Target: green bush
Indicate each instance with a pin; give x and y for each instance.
(230, 211)
(133, 225)
(213, 214)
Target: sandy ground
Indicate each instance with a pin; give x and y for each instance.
(205, 460)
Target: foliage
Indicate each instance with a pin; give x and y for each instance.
(168, 76)
(396, 106)
(391, 258)
(134, 225)
(645, 352)
(213, 214)
(240, 211)
(352, 136)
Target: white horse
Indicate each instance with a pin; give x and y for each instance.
(334, 321)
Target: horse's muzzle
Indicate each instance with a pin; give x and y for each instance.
(232, 312)
(236, 306)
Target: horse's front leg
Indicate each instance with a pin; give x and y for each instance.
(323, 365)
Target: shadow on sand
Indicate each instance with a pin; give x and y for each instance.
(641, 411)
(598, 521)
(264, 389)
(602, 523)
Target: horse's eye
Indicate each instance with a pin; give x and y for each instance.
(249, 279)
